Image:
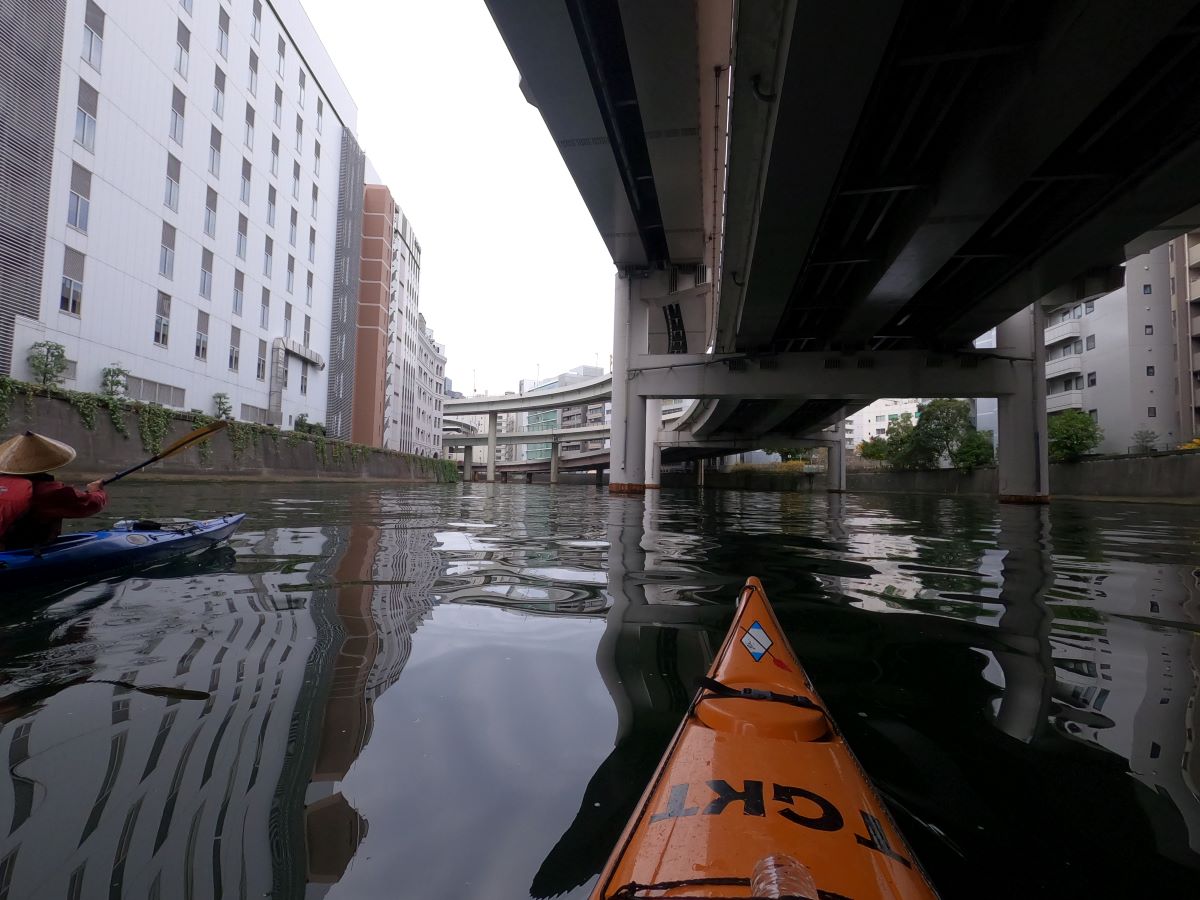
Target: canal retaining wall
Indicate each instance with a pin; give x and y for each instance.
(240, 451)
(1173, 476)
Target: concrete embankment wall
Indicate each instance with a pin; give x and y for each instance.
(247, 452)
(1173, 476)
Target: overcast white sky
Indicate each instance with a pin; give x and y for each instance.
(514, 277)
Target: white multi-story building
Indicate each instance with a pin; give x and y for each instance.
(873, 420)
(1113, 356)
(429, 393)
(188, 156)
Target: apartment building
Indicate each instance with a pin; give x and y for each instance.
(1183, 262)
(873, 420)
(1114, 357)
(178, 200)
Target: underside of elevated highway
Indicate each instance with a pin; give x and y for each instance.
(801, 197)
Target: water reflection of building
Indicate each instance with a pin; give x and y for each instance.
(1132, 687)
(115, 792)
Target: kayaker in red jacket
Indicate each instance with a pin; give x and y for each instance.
(32, 503)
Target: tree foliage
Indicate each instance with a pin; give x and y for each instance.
(1144, 440)
(1072, 433)
(943, 430)
(974, 450)
(48, 363)
(874, 448)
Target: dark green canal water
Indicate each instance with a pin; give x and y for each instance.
(460, 691)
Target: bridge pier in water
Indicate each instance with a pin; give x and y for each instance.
(1024, 466)
(628, 447)
(491, 447)
(554, 462)
(653, 450)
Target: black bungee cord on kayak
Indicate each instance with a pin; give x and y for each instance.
(723, 690)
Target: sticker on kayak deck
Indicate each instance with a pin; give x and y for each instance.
(757, 641)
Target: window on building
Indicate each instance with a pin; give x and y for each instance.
(239, 292)
(264, 309)
(218, 104)
(183, 44)
(1089, 307)
(295, 181)
(1094, 414)
(214, 152)
(271, 195)
(210, 213)
(171, 192)
(162, 319)
(252, 79)
(85, 116)
(275, 155)
(93, 35)
(277, 109)
(281, 56)
(256, 22)
(293, 222)
(307, 329)
(1150, 370)
(308, 289)
(1151, 412)
(303, 85)
(79, 200)
(1077, 347)
(320, 115)
(314, 201)
(223, 33)
(244, 191)
(299, 134)
(1149, 329)
(201, 335)
(166, 252)
(291, 273)
(71, 296)
(187, 6)
(286, 368)
(303, 377)
(268, 256)
(206, 274)
(1091, 342)
(235, 347)
(1077, 312)
(260, 370)
(1147, 289)
(1078, 383)
(178, 104)
(1091, 379)
(312, 245)
(248, 133)
(243, 227)
(287, 320)
(316, 157)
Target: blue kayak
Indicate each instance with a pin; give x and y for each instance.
(93, 554)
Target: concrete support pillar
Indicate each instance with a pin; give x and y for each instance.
(653, 451)
(599, 478)
(627, 451)
(468, 459)
(554, 462)
(504, 478)
(836, 467)
(491, 448)
(700, 473)
(529, 478)
(1024, 467)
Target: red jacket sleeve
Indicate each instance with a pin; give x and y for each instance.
(55, 500)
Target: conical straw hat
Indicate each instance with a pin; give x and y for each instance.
(29, 453)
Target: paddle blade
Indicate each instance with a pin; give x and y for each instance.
(204, 431)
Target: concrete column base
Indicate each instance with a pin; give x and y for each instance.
(622, 488)
(1025, 498)
(652, 487)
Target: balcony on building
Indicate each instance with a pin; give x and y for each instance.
(1071, 364)
(1064, 400)
(1063, 331)
(1194, 255)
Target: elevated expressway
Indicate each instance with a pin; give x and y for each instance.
(813, 204)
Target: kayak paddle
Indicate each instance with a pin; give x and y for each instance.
(204, 431)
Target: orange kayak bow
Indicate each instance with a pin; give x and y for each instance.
(756, 773)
